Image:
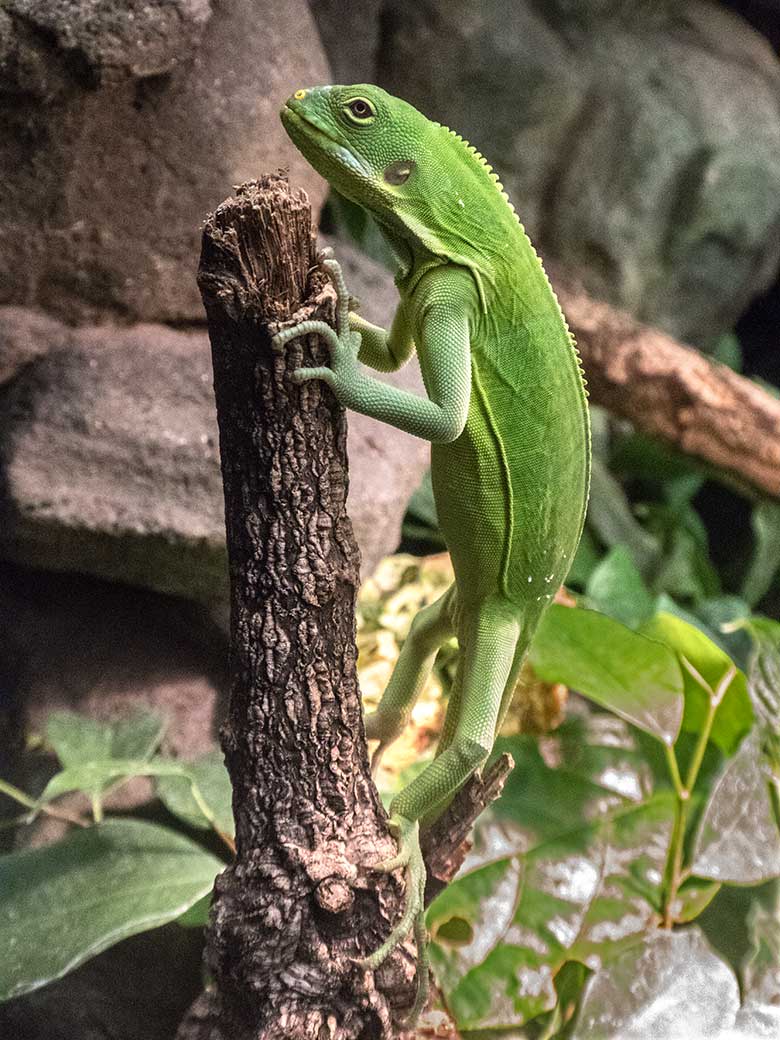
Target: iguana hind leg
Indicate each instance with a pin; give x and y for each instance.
(431, 627)
(488, 644)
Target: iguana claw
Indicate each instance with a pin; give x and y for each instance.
(413, 917)
(343, 345)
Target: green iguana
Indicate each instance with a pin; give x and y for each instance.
(505, 413)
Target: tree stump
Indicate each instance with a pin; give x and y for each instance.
(296, 909)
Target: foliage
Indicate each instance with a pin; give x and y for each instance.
(607, 860)
(574, 915)
(65, 902)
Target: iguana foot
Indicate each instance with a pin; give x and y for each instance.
(344, 372)
(409, 856)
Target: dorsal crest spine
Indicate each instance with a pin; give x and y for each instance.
(470, 150)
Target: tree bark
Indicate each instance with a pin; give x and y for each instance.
(295, 909)
(672, 392)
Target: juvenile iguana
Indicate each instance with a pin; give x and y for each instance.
(506, 415)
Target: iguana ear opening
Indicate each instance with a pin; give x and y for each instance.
(399, 172)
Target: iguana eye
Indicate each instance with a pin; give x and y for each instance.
(360, 111)
(399, 172)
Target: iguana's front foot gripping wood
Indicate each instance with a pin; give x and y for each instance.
(407, 833)
(343, 374)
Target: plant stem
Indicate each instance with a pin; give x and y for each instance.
(31, 803)
(674, 770)
(674, 860)
(97, 807)
(673, 872)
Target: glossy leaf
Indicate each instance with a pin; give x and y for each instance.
(669, 985)
(738, 838)
(64, 903)
(693, 897)
(611, 517)
(566, 867)
(637, 678)
(764, 688)
(478, 909)
(77, 739)
(616, 588)
(213, 792)
(759, 1015)
(197, 916)
(734, 716)
(580, 772)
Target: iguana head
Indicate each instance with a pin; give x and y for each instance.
(372, 147)
(422, 182)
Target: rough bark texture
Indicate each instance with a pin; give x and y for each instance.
(446, 842)
(295, 909)
(672, 392)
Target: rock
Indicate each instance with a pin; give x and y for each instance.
(104, 649)
(109, 41)
(26, 335)
(351, 42)
(124, 124)
(639, 142)
(109, 460)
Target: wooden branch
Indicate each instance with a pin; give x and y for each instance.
(296, 909)
(447, 841)
(672, 392)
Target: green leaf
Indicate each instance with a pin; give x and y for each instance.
(583, 895)
(728, 351)
(718, 618)
(764, 687)
(197, 916)
(611, 517)
(738, 838)
(766, 551)
(685, 570)
(470, 917)
(669, 985)
(759, 1015)
(421, 523)
(585, 560)
(77, 739)
(734, 716)
(693, 897)
(637, 678)
(94, 776)
(510, 923)
(590, 767)
(213, 791)
(616, 588)
(64, 903)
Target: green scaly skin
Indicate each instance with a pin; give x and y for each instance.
(505, 413)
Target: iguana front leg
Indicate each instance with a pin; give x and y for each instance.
(441, 417)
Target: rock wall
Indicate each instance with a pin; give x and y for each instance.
(125, 122)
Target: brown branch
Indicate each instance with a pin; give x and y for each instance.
(446, 842)
(672, 392)
(296, 909)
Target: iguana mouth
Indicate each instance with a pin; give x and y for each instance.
(304, 127)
